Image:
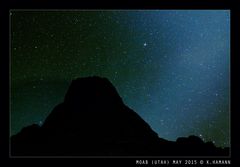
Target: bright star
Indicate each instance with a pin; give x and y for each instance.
(40, 123)
(145, 44)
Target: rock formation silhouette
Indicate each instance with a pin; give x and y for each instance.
(94, 121)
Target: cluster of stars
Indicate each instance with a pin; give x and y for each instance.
(171, 67)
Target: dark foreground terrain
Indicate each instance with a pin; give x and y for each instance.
(93, 121)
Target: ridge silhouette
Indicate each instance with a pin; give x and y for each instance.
(94, 121)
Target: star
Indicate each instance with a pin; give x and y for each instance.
(40, 123)
(176, 72)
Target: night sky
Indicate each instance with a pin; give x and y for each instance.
(170, 66)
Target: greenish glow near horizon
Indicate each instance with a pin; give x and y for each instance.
(171, 66)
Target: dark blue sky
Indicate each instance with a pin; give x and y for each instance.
(170, 66)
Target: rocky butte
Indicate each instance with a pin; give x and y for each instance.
(93, 121)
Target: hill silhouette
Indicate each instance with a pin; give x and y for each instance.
(94, 121)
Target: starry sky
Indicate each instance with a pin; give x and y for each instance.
(170, 66)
